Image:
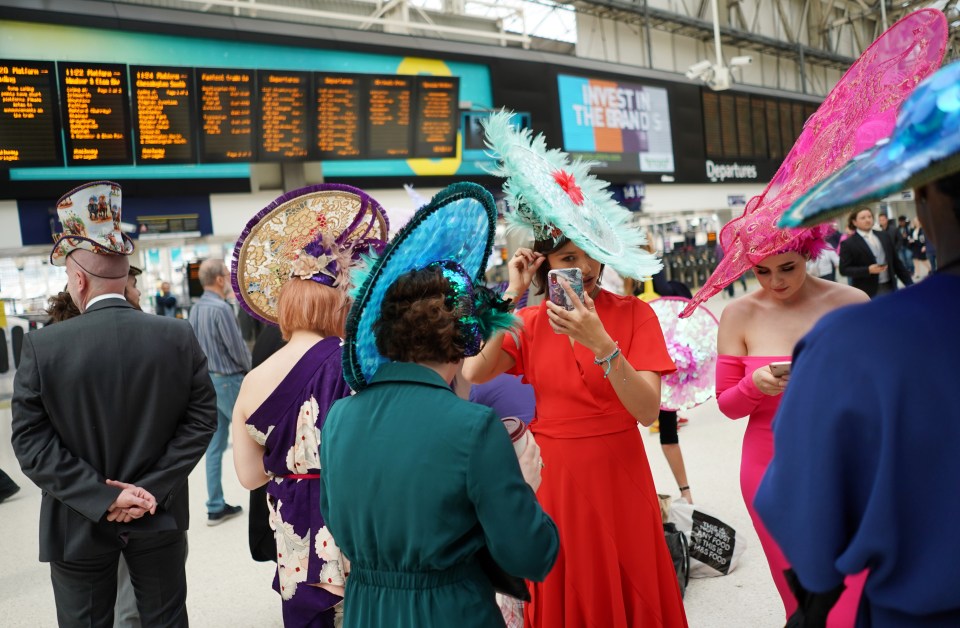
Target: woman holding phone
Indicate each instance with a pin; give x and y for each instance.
(756, 337)
(595, 371)
(763, 327)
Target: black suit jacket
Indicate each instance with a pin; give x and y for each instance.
(113, 393)
(856, 258)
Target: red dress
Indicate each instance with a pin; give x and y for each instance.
(613, 569)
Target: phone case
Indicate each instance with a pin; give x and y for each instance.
(557, 294)
(779, 370)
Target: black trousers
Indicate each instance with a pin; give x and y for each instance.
(85, 590)
(885, 288)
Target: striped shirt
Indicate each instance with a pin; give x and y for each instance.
(216, 327)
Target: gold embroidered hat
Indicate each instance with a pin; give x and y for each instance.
(316, 233)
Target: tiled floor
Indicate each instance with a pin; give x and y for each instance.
(228, 589)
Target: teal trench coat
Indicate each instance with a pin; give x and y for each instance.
(414, 481)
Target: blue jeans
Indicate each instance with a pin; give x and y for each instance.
(906, 256)
(228, 388)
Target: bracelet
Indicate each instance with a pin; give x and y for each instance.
(511, 301)
(685, 488)
(607, 362)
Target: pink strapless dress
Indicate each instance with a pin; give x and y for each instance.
(756, 455)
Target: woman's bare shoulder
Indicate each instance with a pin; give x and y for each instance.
(260, 382)
(735, 320)
(741, 310)
(839, 294)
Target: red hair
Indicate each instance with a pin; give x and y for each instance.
(310, 306)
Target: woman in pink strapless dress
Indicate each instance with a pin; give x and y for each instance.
(755, 330)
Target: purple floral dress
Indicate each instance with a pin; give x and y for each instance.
(287, 424)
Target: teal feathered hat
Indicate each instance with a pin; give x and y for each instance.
(453, 233)
(554, 196)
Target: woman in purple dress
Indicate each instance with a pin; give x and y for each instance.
(308, 239)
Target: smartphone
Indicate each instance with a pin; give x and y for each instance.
(779, 369)
(558, 295)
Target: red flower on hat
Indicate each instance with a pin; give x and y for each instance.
(569, 185)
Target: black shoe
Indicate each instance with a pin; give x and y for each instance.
(228, 512)
(8, 490)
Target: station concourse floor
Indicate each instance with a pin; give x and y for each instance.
(227, 588)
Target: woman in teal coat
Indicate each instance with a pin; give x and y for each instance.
(417, 481)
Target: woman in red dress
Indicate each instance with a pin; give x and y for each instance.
(595, 371)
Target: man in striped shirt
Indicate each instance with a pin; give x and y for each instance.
(228, 359)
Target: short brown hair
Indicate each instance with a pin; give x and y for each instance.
(61, 307)
(852, 218)
(311, 306)
(415, 323)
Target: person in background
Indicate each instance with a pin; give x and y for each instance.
(216, 327)
(863, 473)
(742, 278)
(130, 292)
(61, 307)
(867, 257)
(919, 239)
(890, 228)
(8, 488)
(668, 422)
(283, 403)
(263, 545)
(906, 243)
(112, 486)
(166, 303)
(824, 265)
(507, 394)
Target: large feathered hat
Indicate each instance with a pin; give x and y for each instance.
(555, 196)
(860, 109)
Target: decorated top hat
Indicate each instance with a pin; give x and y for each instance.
(90, 216)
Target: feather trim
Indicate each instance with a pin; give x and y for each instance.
(492, 312)
(549, 191)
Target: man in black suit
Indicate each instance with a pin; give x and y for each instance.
(111, 410)
(867, 257)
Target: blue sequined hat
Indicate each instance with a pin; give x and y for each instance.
(924, 146)
(453, 232)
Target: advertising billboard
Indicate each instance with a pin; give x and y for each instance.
(624, 127)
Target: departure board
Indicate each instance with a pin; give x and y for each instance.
(437, 121)
(163, 114)
(29, 130)
(712, 133)
(283, 100)
(85, 113)
(227, 115)
(95, 106)
(389, 101)
(339, 98)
